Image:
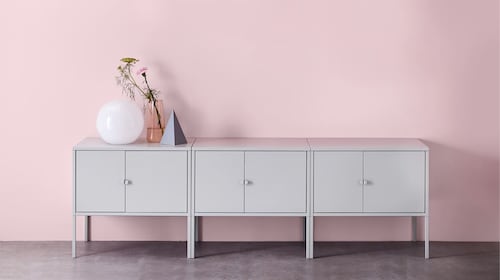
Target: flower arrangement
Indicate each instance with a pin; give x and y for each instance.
(130, 87)
(128, 83)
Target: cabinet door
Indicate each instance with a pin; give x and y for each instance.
(99, 181)
(337, 178)
(276, 181)
(157, 181)
(218, 181)
(396, 181)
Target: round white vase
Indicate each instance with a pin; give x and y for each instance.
(120, 122)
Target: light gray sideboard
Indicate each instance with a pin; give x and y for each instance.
(139, 179)
(253, 177)
(371, 177)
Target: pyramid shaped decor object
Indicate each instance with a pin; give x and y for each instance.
(173, 134)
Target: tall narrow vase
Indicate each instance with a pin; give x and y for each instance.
(155, 121)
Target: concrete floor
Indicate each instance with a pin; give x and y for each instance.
(229, 260)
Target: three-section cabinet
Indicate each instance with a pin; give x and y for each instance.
(253, 177)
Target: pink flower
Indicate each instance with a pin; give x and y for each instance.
(142, 71)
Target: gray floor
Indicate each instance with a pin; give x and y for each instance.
(224, 260)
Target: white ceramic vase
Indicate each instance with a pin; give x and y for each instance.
(120, 122)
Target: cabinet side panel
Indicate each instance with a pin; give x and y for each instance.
(276, 181)
(158, 181)
(218, 181)
(396, 182)
(337, 177)
(99, 181)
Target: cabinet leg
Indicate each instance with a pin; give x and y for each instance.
(306, 235)
(196, 229)
(73, 241)
(305, 231)
(309, 237)
(190, 236)
(426, 236)
(414, 229)
(87, 228)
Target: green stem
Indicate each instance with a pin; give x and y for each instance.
(131, 78)
(153, 98)
(157, 113)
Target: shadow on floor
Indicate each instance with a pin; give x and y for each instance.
(208, 249)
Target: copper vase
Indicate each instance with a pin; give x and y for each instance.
(155, 121)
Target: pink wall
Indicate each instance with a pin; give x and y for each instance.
(289, 68)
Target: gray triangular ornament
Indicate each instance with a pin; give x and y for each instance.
(173, 134)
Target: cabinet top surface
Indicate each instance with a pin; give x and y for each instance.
(347, 144)
(140, 144)
(251, 144)
(299, 144)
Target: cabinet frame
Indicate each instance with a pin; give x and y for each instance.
(97, 145)
(247, 145)
(374, 145)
